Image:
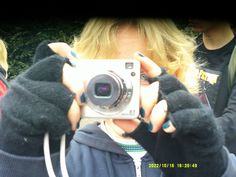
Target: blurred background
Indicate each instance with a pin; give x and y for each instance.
(23, 35)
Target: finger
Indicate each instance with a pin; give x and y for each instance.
(60, 48)
(73, 81)
(74, 115)
(73, 54)
(149, 96)
(127, 125)
(158, 116)
(64, 50)
(168, 127)
(148, 66)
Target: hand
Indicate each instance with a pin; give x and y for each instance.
(149, 98)
(52, 91)
(190, 134)
(68, 75)
(71, 79)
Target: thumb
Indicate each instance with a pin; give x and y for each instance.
(149, 96)
(158, 116)
(148, 66)
(72, 79)
(74, 115)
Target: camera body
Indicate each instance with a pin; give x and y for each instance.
(112, 88)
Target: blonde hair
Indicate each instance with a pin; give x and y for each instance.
(3, 55)
(169, 47)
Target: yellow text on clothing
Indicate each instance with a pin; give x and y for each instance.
(209, 77)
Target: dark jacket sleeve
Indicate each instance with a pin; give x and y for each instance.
(228, 121)
(36, 102)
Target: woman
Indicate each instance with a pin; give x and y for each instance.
(103, 149)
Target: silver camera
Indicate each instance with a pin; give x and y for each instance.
(112, 88)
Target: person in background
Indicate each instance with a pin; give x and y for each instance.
(54, 92)
(216, 42)
(3, 68)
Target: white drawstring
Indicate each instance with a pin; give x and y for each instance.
(47, 156)
(63, 156)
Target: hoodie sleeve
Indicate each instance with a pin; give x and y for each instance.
(36, 102)
(228, 121)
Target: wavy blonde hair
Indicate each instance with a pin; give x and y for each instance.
(3, 55)
(169, 47)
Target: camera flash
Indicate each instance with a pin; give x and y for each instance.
(129, 65)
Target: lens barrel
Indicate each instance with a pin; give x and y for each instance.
(105, 90)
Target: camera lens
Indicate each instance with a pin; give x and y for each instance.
(103, 89)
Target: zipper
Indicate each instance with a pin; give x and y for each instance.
(137, 164)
